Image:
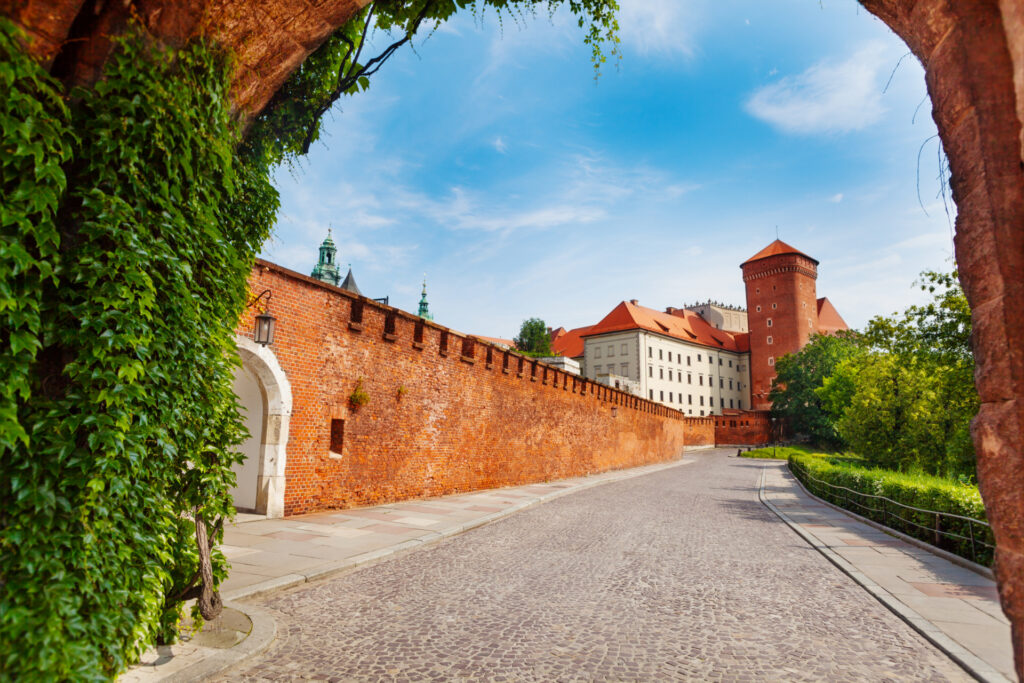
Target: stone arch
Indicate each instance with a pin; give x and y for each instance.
(276, 391)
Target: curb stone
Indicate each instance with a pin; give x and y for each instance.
(968, 661)
(261, 636)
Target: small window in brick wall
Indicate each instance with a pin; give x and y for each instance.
(417, 333)
(337, 436)
(468, 348)
(389, 327)
(355, 319)
(444, 343)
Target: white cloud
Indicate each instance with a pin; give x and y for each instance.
(829, 97)
(499, 145)
(663, 27)
(836, 198)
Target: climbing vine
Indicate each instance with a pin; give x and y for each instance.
(126, 422)
(132, 212)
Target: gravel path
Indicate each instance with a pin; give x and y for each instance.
(677, 575)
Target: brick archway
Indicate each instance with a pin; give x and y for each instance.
(973, 54)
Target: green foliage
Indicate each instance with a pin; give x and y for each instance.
(775, 453)
(901, 394)
(916, 490)
(534, 339)
(129, 414)
(341, 66)
(798, 377)
(359, 398)
(35, 140)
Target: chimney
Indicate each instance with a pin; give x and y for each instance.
(670, 310)
(633, 301)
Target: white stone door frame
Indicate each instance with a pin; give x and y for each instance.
(277, 390)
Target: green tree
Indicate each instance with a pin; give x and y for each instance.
(800, 375)
(534, 338)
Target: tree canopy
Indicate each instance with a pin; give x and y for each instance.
(534, 338)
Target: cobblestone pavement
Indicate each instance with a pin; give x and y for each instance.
(678, 575)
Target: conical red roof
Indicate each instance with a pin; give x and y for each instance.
(776, 248)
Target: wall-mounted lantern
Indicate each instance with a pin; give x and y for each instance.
(264, 332)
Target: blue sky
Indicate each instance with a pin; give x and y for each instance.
(490, 160)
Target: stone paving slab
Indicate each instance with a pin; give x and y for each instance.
(961, 604)
(269, 555)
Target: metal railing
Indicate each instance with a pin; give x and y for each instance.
(925, 525)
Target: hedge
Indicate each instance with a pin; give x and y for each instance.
(916, 490)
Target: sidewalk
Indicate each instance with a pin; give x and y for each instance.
(274, 554)
(954, 607)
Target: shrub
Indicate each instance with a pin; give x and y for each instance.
(926, 492)
(775, 453)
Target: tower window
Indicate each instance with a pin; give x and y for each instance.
(759, 308)
(774, 306)
(769, 322)
(769, 339)
(771, 360)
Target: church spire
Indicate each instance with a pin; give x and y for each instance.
(326, 268)
(424, 311)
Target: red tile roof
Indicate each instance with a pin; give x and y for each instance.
(497, 340)
(829, 320)
(776, 248)
(681, 324)
(569, 343)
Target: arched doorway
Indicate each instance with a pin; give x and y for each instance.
(265, 397)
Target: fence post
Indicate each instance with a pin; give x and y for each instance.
(938, 538)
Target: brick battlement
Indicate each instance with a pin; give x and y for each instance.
(447, 412)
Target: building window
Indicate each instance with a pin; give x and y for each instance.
(771, 360)
(769, 322)
(719, 360)
(702, 413)
(611, 350)
(597, 352)
(721, 383)
(597, 369)
(702, 403)
(730, 364)
(650, 352)
(698, 357)
(661, 354)
(652, 394)
(661, 373)
(721, 403)
(687, 360)
(650, 371)
(689, 378)
(759, 308)
(670, 397)
(689, 399)
(670, 374)
(774, 306)
(730, 403)
(624, 350)
(661, 395)
(624, 369)
(700, 379)
(337, 436)
(730, 386)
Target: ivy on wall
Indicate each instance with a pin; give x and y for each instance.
(126, 248)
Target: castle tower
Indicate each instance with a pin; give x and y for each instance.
(326, 268)
(424, 311)
(782, 311)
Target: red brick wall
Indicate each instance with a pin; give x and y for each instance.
(787, 282)
(699, 431)
(436, 423)
(746, 428)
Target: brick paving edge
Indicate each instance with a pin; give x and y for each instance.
(261, 636)
(969, 662)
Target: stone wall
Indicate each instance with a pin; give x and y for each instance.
(752, 428)
(444, 412)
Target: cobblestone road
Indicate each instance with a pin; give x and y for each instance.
(678, 575)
